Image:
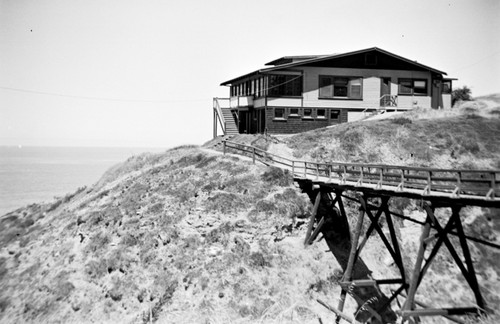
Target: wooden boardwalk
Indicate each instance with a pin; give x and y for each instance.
(374, 185)
(477, 187)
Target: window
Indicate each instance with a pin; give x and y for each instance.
(335, 114)
(279, 113)
(294, 111)
(321, 113)
(447, 87)
(420, 87)
(285, 85)
(307, 113)
(412, 87)
(340, 87)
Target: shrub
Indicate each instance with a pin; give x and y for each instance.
(224, 202)
(95, 269)
(461, 94)
(98, 242)
(220, 234)
(277, 177)
(3, 268)
(4, 303)
(257, 260)
(401, 121)
(350, 141)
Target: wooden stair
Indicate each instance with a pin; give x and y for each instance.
(231, 127)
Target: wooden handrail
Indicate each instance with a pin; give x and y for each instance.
(483, 184)
(220, 116)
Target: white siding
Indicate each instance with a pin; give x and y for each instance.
(371, 87)
(355, 115)
(409, 102)
(260, 102)
(446, 101)
(284, 102)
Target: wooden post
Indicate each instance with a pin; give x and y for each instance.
(253, 155)
(215, 123)
(339, 313)
(352, 257)
(409, 303)
(224, 147)
(293, 168)
(313, 217)
(491, 192)
(468, 259)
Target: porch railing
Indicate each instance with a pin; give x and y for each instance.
(241, 101)
(388, 100)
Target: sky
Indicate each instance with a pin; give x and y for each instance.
(143, 73)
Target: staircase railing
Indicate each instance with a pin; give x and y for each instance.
(388, 100)
(218, 116)
(479, 185)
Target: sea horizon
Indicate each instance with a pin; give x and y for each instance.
(38, 174)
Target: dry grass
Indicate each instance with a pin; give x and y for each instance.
(465, 137)
(193, 237)
(183, 237)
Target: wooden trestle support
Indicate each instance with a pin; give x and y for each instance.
(330, 219)
(375, 186)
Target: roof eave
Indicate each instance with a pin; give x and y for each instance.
(229, 82)
(326, 57)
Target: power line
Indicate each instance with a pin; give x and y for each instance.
(475, 62)
(98, 98)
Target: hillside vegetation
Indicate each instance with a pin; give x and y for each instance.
(194, 236)
(181, 237)
(467, 137)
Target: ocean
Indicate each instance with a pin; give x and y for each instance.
(39, 174)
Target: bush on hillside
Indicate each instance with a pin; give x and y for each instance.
(461, 94)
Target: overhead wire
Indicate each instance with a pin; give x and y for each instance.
(99, 98)
(276, 85)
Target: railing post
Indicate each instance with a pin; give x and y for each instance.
(305, 169)
(491, 192)
(458, 187)
(224, 147)
(253, 155)
(317, 171)
(429, 181)
(293, 168)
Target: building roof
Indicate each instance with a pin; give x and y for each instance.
(294, 61)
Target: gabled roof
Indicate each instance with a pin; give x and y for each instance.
(292, 59)
(287, 62)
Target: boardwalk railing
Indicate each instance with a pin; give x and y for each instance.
(482, 184)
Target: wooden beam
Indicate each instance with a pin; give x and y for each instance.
(453, 319)
(316, 231)
(339, 313)
(352, 257)
(395, 241)
(468, 259)
(440, 311)
(313, 217)
(409, 303)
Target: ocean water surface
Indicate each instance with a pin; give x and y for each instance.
(38, 174)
